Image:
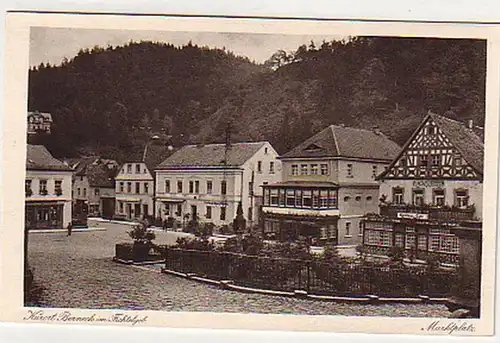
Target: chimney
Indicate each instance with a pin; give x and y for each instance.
(470, 124)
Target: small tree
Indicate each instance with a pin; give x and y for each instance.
(141, 234)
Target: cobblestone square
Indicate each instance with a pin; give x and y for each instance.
(78, 272)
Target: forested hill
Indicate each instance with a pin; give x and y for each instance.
(104, 100)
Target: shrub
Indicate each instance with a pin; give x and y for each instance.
(188, 243)
(141, 234)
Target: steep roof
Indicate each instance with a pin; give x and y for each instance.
(39, 158)
(469, 142)
(212, 155)
(155, 153)
(465, 140)
(340, 141)
(100, 175)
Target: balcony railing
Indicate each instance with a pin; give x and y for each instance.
(442, 213)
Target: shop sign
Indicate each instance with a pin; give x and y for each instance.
(428, 183)
(421, 216)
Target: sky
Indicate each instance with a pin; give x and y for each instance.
(54, 44)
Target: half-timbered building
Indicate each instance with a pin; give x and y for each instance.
(328, 185)
(431, 188)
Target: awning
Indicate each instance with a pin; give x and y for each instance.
(171, 201)
(128, 199)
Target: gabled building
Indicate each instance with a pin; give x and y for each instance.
(39, 122)
(433, 186)
(134, 182)
(328, 185)
(209, 181)
(47, 190)
(94, 187)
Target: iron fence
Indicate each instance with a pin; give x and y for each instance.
(313, 276)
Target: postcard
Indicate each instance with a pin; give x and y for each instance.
(250, 173)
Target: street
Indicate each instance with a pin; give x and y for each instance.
(78, 272)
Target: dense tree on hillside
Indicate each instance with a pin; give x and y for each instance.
(113, 99)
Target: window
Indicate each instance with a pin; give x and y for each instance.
(397, 195)
(265, 151)
(316, 198)
(27, 188)
(418, 197)
(348, 229)
(129, 168)
(295, 169)
(58, 187)
(399, 240)
(323, 199)
(250, 188)
(81, 178)
(250, 214)
(43, 187)
(314, 169)
(179, 210)
(438, 197)
(78, 191)
(374, 172)
(137, 168)
(129, 187)
(347, 198)
(191, 187)
(271, 167)
(304, 169)
(137, 187)
(360, 229)
(298, 198)
(146, 187)
(332, 199)
(197, 187)
(209, 187)
(121, 188)
(378, 237)
(223, 187)
(349, 170)
(274, 197)
(358, 198)
(167, 186)
(461, 198)
(369, 198)
(307, 198)
(97, 191)
(290, 198)
(441, 240)
(179, 186)
(120, 206)
(435, 160)
(84, 192)
(324, 169)
(208, 214)
(422, 242)
(458, 161)
(424, 160)
(259, 166)
(281, 197)
(222, 213)
(410, 238)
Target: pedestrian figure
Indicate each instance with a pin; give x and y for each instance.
(70, 228)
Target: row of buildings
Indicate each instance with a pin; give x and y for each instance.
(343, 185)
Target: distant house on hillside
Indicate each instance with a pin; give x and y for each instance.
(328, 184)
(433, 186)
(47, 190)
(39, 122)
(209, 181)
(94, 187)
(134, 182)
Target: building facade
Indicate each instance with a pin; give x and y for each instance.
(328, 185)
(47, 190)
(434, 186)
(209, 181)
(135, 182)
(94, 187)
(39, 122)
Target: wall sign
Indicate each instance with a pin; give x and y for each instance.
(422, 216)
(428, 183)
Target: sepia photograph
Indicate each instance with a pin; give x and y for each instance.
(214, 171)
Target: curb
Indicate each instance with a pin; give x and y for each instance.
(65, 230)
(301, 294)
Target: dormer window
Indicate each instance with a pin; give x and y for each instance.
(313, 147)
